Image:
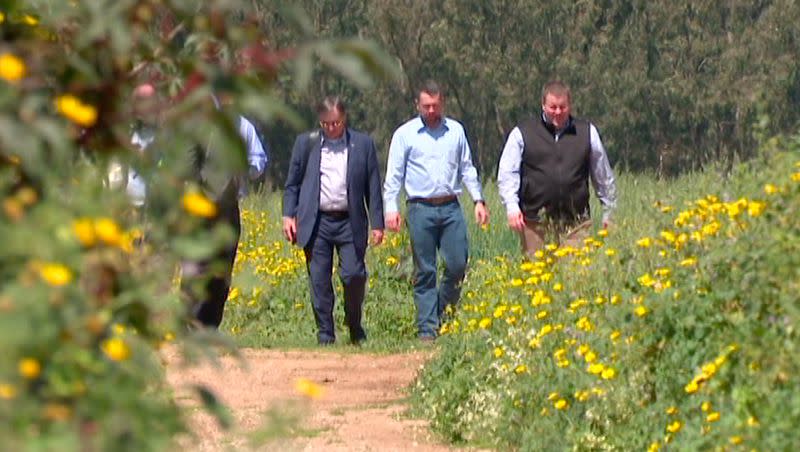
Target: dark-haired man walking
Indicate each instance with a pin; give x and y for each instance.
(430, 157)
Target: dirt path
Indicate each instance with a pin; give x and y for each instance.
(361, 409)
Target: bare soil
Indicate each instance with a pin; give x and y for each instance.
(362, 407)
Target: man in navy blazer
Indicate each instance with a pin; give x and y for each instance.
(333, 179)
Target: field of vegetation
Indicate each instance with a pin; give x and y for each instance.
(675, 326)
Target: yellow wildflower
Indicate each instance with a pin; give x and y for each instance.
(29, 368)
(308, 388)
(541, 314)
(705, 406)
(735, 440)
(56, 412)
(558, 287)
(108, 231)
(116, 349)
(199, 205)
(596, 368)
(674, 427)
(76, 111)
(688, 262)
(641, 311)
(755, 208)
(499, 352)
(672, 410)
(752, 421)
(7, 391)
(712, 417)
(644, 242)
(614, 335)
(602, 233)
(608, 373)
(84, 231)
(770, 189)
(646, 280)
(520, 369)
(485, 323)
(30, 20)
(655, 446)
(561, 404)
(55, 274)
(691, 387)
(12, 69)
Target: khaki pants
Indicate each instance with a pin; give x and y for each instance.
(535, 234)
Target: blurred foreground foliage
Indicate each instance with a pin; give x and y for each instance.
(87, 282)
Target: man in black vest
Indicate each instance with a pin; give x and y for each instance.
(544, 173)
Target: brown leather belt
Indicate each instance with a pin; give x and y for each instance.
(436, 200)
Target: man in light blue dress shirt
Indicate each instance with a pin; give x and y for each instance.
(430, 158)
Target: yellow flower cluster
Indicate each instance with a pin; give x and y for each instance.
(76, 111)
(708, 370)
(91, 232)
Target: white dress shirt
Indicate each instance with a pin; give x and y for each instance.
(333, 175)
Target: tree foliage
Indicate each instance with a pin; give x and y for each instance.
(671, 85)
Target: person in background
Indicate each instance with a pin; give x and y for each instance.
(333, 179)
(257, 155)
(544, 172)
(430, 157)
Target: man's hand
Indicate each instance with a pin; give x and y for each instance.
(516, 221)
(481, 213)
(290, 229)
(377, 237)
(392, 221)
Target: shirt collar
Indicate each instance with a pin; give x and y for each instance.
(421, 126)
(549, 125)
(334, 142)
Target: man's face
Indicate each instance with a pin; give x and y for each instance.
(557, 109)
(430, 108)
(333, 123)
(145, 103)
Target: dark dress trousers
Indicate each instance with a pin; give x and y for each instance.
(319, 233)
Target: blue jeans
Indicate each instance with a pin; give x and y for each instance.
(436, 228)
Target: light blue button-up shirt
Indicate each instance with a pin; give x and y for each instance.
(429, 163)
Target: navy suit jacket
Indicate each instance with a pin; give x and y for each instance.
(301, 192)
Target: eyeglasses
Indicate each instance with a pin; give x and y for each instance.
(326, 124)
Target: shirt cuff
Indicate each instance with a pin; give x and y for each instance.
(390, 207)
(512, 208)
